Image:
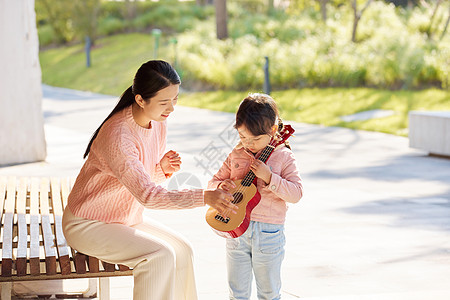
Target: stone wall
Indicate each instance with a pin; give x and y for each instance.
(21, 121)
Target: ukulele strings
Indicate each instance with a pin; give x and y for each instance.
(248, 179)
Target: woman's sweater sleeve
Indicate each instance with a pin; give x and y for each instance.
(223, 173)
(158, 175)
(122, 158)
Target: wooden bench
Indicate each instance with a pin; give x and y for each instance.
(33, 246)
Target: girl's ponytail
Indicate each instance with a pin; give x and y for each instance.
(280, 127)
(125, 100)
(280, 124)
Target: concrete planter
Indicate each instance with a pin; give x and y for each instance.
(430, 131)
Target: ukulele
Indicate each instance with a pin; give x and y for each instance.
(245, 195)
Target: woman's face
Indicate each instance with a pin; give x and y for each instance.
(253, 143)
(159, 107)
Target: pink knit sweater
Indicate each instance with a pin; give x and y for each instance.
(120, 176)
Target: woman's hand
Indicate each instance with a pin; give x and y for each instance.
(170, 163)
(226, 185)
(261, 170)
(221, 201)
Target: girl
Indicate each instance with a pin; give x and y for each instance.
(126, 160)
(261, 248)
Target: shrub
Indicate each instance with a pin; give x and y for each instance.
(111, 25)
(45, 35)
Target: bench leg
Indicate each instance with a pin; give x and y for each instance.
(92, 289)
(103, 288)
(6, 290)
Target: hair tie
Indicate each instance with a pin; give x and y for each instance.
(280, 124)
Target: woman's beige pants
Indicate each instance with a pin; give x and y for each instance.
(161, 258)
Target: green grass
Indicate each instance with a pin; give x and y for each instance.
(326, 106)
(115, 59)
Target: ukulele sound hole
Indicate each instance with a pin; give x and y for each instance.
(237, 197)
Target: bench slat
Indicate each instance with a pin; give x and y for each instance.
(123, 268)
(8, 218)
(35, 266)
(93, 264)
(41, 202)
(63, 250)
(47, 235)
(80, 262)
(108, 267)
(21, 258)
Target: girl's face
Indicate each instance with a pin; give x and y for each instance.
(159, 107)
(253, 143)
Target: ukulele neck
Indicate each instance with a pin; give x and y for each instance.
(264, 156)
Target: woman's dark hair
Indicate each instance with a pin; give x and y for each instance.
(150, 78)
(258, 113)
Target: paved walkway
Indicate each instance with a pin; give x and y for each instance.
(374, 223)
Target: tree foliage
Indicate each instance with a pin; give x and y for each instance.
(69, 19)
(57, 14)
(85, 22)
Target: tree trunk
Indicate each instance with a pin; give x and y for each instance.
(446, 25)
(270, 6)
(433, 15)
(357, 17)
(323, 9)
(130, 9)
(221, 19)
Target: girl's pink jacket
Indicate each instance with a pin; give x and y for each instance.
(285, 184)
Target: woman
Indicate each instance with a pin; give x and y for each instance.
(126, 161)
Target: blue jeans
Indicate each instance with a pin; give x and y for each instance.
(260, 248)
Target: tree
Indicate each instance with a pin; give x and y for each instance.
(69, 19)
(221, 19)
(130, 9)
(432, 19)
(85, 15)
(270, 6)
(357, 16)
(446, 24)
(436, 19)
(203, 2)
(323, 9)
(58, 15)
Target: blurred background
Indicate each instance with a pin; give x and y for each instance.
(378, 221)
(320, 59)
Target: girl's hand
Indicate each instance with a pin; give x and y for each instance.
(226, 185)
(170, 162)
(261, 170)
(221, 201)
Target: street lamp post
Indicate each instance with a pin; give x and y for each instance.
(156, 34)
